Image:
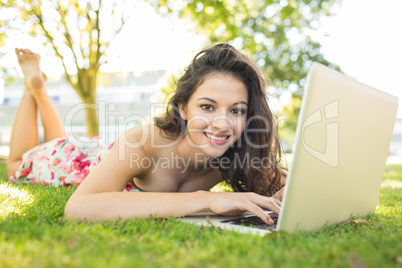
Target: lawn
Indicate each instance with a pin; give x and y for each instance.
(34, 233)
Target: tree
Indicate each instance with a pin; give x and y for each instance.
(79, 32)
(277, 33)
(3, 70)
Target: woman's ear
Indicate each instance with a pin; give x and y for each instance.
(182, 110)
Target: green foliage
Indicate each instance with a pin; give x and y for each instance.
(288, 121)
(3, 24)
(2, 32)
(78, 32)
(36, 234)
(276, 33)
(3, 169)
(170, 88)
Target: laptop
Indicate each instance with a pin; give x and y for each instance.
(341, 146)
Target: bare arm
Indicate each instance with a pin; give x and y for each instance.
(100, 196)
(119, 205)
(128, 205)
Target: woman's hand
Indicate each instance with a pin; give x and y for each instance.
(237, 203)
(279, 194)
(284, 177)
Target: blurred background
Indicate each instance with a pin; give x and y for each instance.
(123, 57)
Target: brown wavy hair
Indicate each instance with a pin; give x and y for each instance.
(260, 129)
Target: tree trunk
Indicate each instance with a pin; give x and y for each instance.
(86, 87)
(91, 116)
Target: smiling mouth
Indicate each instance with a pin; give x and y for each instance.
(216, 138)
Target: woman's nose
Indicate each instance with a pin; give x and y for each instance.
(221, 122)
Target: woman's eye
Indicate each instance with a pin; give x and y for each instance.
(238, 111)
(206, 107)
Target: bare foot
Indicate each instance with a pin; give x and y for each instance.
(34, 77)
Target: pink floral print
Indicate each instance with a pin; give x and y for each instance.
(61, 163)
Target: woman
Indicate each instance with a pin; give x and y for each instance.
(218, 127)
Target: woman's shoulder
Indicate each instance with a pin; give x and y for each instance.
(137, 133)
(148, 137)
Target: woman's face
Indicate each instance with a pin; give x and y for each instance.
(216, 114)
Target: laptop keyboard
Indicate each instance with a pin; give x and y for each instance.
(254, 221)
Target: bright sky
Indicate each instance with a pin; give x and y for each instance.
(364, 38)
(148, 41)
(154, 42)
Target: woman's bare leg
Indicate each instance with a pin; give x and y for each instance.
(24, 135)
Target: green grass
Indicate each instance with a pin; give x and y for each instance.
(33, 233)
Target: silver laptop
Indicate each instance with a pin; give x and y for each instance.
(341, 147)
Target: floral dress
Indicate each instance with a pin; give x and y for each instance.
(63, 162)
